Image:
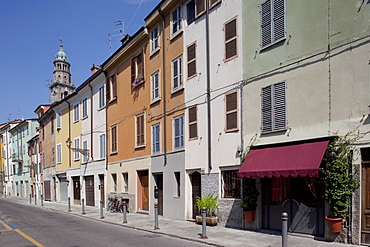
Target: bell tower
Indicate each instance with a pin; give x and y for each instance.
(61, 86)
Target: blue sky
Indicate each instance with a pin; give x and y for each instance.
(29, 39)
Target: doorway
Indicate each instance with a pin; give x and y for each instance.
(196, 186)
(101, 188)
(76, 190)
(365, 188)
(159, 182)
(143, 190)
(89, 190)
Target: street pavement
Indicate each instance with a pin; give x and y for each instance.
(216, 235)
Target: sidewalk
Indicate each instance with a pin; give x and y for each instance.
(217, 235)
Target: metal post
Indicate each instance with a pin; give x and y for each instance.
(124, 212)
(156, 216)
(83, 206)
(204, 234)
(42, 202)
(69, 204)
(35, 199)
(284, 229)
(101, 209)
(30, 199)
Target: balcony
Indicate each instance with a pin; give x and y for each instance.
(16, 157)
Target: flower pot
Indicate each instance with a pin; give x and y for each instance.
(334, 224)
(210, 221)
(249, 215)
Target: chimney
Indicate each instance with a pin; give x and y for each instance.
(94, 68)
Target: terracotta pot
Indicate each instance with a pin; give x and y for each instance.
(249, 215)
(334, 224)
(210, 221)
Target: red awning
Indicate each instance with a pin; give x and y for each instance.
(302, 159)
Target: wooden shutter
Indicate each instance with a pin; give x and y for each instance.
(193, 125)
(279, 106)
(231, 111)
(114, 86)
(140, 130)
(108, 90)
(266, 23)
(266, 109)
(278, 20)
(192, 70)
(200, 7)
(114, 138)
(140, 65)
(230, 39)
(133, 69)
(213, 2)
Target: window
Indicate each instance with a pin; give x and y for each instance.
(101, 97)
(76, 142)
(114, 179)
(84, 108)
(156, 139)
(177, 74)
(112, 87)
(231, 184)
(125, 182)
(193, 124)
(84, 157)
(154, 39)
(113, 138)
(192, 68)
(140, 141)
(52, 156)
(272, 22)
(102, 146)
(52, 125)
(59, 120)
(230, 39)
(231, 111)
(213, 3)
(177, 184)
(200, 7)
(155, 86)
(274, 107)
(28, 132)
(59, 153)
(42, 133)
(76, 113)
(190, 12)
(137, 70)
(179, 132)
(176, 21)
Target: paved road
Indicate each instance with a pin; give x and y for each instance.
(24, 225)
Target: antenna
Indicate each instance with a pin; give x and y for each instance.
(122, 29)
(110, 43)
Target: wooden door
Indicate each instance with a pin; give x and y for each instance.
(365, 187)
(144, 181)
(159, 181)
(76, 190)
(101, 187)
(47, 191)
(89, 190)
(196, 190)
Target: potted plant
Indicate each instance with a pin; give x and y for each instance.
(249, 198)
(340, 182)
(210, 201)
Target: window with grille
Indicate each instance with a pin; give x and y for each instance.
(231, 184)
(231, 111)
(274, 107)
(230, 40)
(193, 122)
(192, 68)
(177, 74)
(140, 140)
(272, 14)
(113, 138)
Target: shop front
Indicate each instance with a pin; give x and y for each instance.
(290, 182)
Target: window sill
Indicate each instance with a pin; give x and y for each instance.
(192, 76)
(101, 108)
(273, 131)
(112, 100)
(114, 153)
(269, 45)
(76, 121)
(232, 130)
(83, 118)
(178, 149)
(155, 101)
(140, 146)
(194, 138)
(177, 90)
(173, 36)
(152, 53)
(230, 58)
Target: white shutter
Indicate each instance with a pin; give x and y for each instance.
(278, 20)
(266, 104)
(279, 106)
(266, 23)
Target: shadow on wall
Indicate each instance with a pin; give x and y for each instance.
(230, 213)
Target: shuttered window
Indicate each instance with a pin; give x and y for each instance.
(178, 132)
(192, 68)
(213, 3)
(59, 153)
(230, 39)
(113, 138)
(200, 7)
(272, 22)
(59, 120)
(193, 123)
(112, 87)
(102, 146)
(231, 111)
(76, 146)
(140, 130)
(156, 139)
(274, 107)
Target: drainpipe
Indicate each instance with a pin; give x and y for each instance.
(106, 120)
(208, 90)
(69, 133)
(91, 124)
(164, 90)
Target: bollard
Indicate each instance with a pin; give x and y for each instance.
(35, 200)
(42, 202)
(101, 209)
(124, 213)
(204, 234)
(83, 206)
(30, 199)
(284, 229)
(156, 216)
(69, 204)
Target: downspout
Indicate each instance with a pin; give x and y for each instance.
(91, 125)
(7, 160)
(208, 90)
(69, 134)
(164, 91)
(106, 121)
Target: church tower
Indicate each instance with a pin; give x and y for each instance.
(61, 86)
